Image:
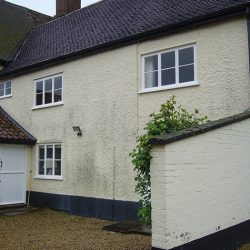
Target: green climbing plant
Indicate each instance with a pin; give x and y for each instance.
(170, 118)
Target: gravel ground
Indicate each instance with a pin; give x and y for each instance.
(48, 229)
(246, 247)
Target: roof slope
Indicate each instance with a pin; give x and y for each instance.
(15, 23)
(109, 22)
(12, 132)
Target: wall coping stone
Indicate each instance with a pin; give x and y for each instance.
(199, 129)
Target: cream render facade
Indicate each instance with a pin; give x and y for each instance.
(102, 94)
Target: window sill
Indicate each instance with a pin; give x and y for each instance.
(55, 178)
(6, 96)
(47, 105)
(174, 86)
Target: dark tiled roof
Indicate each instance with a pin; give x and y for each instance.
(199, 129)
(15, 24)
(12, 132)
(110, 22)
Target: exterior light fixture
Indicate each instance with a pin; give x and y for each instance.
(78, 130)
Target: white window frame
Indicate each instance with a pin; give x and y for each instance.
(52, 103)
(45, 176)
(177, 84)
(5, 83)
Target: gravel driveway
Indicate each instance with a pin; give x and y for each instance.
(48, 229)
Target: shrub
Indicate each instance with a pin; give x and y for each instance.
(169, 119)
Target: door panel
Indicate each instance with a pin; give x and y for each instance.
(12, 174)
(12, 157)
(12, 189)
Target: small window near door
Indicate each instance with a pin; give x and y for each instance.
(5, 89)
(50, 160)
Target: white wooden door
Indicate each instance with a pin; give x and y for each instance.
(12, 174)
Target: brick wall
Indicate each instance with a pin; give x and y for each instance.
(200, 185)
(64, 7)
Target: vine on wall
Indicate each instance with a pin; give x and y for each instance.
(169, 119)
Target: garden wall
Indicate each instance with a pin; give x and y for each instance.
(200, 186)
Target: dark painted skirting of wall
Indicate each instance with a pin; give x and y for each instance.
(228, 239)
(88, 207)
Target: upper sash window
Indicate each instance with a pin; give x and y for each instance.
(5, 89)
(170, 69)
(48, 91)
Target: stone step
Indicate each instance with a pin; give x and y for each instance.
(13, 206)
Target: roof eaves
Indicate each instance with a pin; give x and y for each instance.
(14, 141)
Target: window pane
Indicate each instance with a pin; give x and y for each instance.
(48, 97)
(186, 56)
(57, 167)
(186, 73)
(151, 63)
(39, 87)
(1, 92)
(7, 91)
(168, 60)
(8, 84)
(168, 77)
(50, 152)
(52, 162)
(58, 82)
(57, 95)
(48, 85)
(57, 152)
(1, 86)
(49, 167)
(151, 79)
(41, 152)
(41, 168)
(39, 99)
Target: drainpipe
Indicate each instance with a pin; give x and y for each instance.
(248, 29)
(114, 166)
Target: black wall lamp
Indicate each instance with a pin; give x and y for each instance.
(78, 130)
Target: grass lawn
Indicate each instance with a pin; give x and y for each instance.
(48, 229)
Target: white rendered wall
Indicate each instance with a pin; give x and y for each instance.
(102, 96)
(200, 185)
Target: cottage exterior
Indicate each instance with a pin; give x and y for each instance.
(58, 81)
